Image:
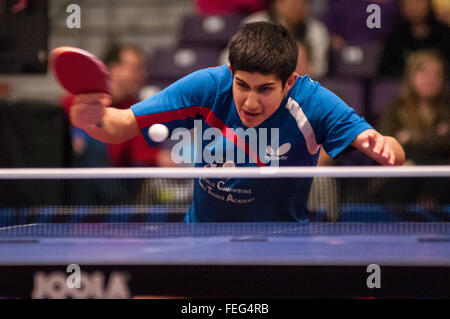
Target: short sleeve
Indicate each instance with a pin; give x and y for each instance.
(335, 123)
(190, 98)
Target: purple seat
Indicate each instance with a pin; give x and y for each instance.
(215, 31)
(171, 64)
(351, 91)
(357, 61)
(382, 93)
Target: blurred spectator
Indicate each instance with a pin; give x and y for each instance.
(319, 7)
(304, 59)
(420, 117)
(419, 29)
(347, 21)
(295, 16)
(442, 11)
(221, 7)
(128, 71)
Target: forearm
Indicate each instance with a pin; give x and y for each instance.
(116, 126)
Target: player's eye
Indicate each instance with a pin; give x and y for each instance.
(243, 85)
(266, 89)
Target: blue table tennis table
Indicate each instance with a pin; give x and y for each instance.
(227, 260)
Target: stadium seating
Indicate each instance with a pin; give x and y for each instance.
(357, 61)
(170, 64)
(210, 31)
(350, 90)
(382, 93)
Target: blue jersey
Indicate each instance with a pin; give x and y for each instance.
(309, 117)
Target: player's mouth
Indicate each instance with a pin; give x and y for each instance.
(250, 116)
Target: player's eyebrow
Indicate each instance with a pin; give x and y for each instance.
(240, 80)
(260, 85)
(266, 84)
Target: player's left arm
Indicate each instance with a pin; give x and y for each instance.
(386, 150)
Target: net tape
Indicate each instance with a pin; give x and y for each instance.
(243, 172)
(255, 231)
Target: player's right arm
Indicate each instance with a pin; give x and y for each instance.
(176, 106)
(91, 113)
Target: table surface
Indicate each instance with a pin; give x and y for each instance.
(394, 244)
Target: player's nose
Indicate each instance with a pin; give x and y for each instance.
(251, 102)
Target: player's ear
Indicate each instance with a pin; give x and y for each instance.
(291, 81)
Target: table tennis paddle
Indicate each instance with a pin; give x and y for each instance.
(78, 71)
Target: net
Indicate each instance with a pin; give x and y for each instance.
(54, 201)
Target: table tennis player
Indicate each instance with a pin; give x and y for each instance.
(258, 89)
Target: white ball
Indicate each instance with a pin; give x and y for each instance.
(158, 132)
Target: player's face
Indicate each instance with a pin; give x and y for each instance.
(258, 96)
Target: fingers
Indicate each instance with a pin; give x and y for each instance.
(88, 109)
(383, 150)
(377, 141)
(392, 159)
(380, 149)
(93, 98)
(387, 154)
(374, 143)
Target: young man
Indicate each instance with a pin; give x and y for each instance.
(258, 90)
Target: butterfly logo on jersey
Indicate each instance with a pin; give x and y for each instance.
(277, 154)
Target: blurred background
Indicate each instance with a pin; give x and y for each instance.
(363, 54)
